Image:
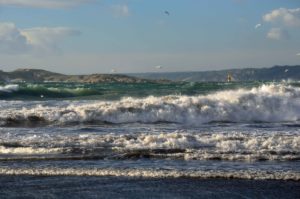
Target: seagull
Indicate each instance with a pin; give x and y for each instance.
(167, 12)
(257, 26)
(158, 67)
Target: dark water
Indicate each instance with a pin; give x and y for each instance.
(173, 140)
(116, 187)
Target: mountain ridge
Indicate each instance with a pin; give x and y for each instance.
(275, 73)
(39, 75)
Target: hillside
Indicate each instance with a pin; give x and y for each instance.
(275, 73)
(36, 75)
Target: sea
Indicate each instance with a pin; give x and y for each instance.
(150, 140)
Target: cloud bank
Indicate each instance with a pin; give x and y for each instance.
(39, 39)
(44, 3)
(284, 16)
(284, 19)
(11, 39)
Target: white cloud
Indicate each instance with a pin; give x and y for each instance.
(11, 39)
(120, 10)
(38, 39)
(277, 34)
(44, 3)
(285, 20)
(287, 17)
(257, 26)
(47, 39)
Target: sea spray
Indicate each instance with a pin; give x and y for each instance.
(267, 103)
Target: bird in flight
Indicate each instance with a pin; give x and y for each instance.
(167, 12)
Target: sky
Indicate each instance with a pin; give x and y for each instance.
(134, 36)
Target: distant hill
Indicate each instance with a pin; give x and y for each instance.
(36, 75)
(275, 73)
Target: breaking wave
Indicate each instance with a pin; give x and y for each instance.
(9, 88)
(231, 146)
(32, 91)
(267, 103)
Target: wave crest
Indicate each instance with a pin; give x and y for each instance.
(9, 88)
(268, 103)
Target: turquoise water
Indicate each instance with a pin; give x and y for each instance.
(111, 91)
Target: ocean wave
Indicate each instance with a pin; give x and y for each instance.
(155, 173)
(9, 88)
(229, 146)
(34, 91)
(233, 146)
(267, 103)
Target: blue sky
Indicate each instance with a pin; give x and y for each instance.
(125, 36)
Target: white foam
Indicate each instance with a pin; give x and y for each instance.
(151, 173)
(28, 150)
(242, 146)
(227, 146)
(9, 88)
(268, 103)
